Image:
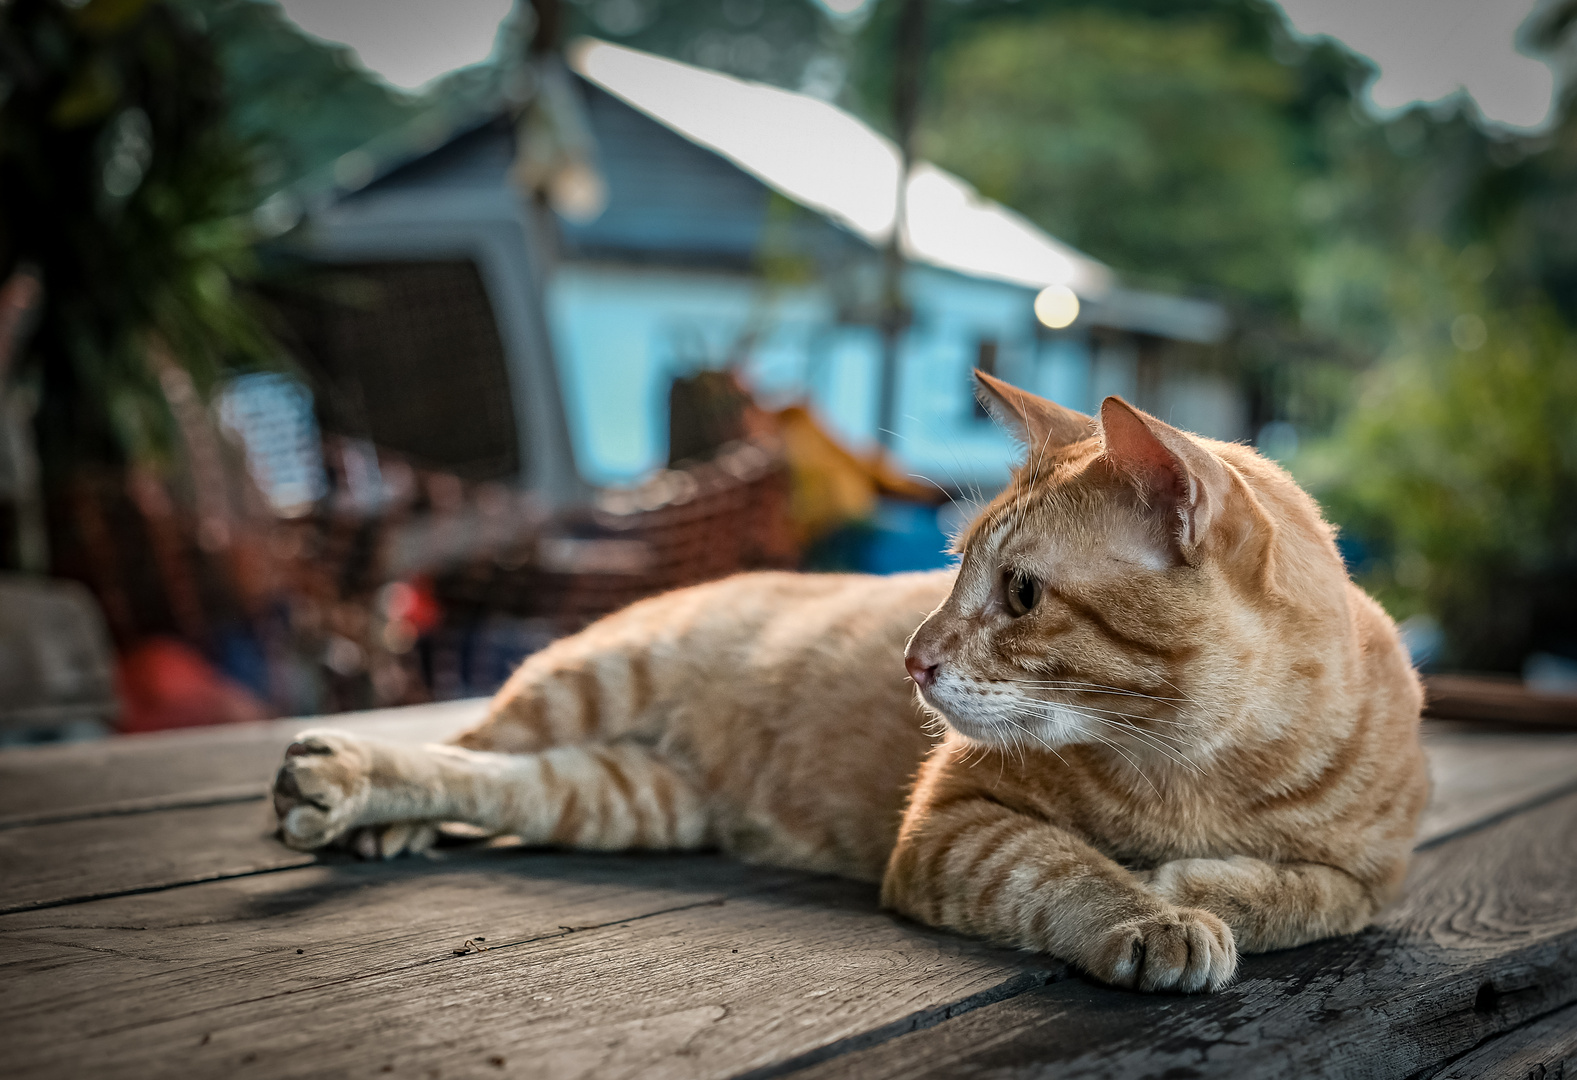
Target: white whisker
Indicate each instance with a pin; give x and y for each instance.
(1090, 688)
(1153, 740)
(1134, 764)
(1136, 717)
(1075, 684)
(1028, 731)
(1104, 742)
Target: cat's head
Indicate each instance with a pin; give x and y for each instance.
(1132, 585)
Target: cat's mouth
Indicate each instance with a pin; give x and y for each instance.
(941, 705)
(977, 718)
(981, 731)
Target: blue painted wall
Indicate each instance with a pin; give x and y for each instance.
(621, 332)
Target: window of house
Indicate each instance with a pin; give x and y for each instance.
(408, 355)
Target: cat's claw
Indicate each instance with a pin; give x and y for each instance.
(321, 787)
(1183, 950)
(391, 841)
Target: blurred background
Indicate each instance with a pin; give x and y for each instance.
(351, 350)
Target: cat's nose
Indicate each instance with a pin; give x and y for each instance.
(921, 670)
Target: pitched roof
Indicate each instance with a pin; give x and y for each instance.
(672, 201)
(824, 158)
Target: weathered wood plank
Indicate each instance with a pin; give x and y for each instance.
(114, 775)
(1543, 1050)
(391, 943)
(657, 989)
(106, 848)
(179, 828)
(1478, 774)
(1484, 941)
(47, 865)
(677, 967)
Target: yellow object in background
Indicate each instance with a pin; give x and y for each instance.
(833, 486)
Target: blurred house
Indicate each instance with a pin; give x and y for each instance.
(717, 222)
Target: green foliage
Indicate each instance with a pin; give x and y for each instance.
(120, 181)
(1457, 467)
(299, 103)
(1256, 26)
(1526, 207)
(1156, 145)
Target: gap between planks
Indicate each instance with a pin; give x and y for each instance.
(1544, 1047)
(226, 796)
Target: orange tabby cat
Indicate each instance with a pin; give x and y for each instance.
(1171, 728)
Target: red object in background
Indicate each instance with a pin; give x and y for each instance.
(414, 602)
(164, 683)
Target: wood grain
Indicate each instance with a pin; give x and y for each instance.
(203, 977)
(1543, 1050)
(1479, 774)
(653, 987)
(675, 967)
(158, 842)
(48, 865)
(1484, 942)
(81, 779)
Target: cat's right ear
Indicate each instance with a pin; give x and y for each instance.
(1037, 423)
(1176, 474)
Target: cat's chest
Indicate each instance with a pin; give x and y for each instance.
(1148, 830)
(1144, 823)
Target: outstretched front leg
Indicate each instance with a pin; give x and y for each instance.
(600, 796)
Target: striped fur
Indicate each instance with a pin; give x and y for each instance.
(775, 704)
(1200, 738)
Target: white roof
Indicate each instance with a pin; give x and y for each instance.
(824, 158)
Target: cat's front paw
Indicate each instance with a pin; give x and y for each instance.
(1180, 949)
(321, 787)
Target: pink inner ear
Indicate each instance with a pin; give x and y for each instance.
(1133, 447)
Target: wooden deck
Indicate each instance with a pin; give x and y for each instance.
(150, 928)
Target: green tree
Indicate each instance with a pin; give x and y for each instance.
(297, 102)
(122, 183)
(1456, 469)
(1156, 145)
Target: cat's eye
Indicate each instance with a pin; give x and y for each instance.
(1023, 593)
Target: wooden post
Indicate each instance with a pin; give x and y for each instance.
(908, 69)
(21, 300)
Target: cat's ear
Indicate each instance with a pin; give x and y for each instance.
(1037, 423)
(1175, 473)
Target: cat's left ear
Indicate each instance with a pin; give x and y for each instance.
(1175, 473)
(1034, 421)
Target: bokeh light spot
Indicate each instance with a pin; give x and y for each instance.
(1057, 306)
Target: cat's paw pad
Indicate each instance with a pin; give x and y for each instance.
(1182, 950)
(320, 788)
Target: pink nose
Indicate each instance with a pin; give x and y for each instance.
(922, 673)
